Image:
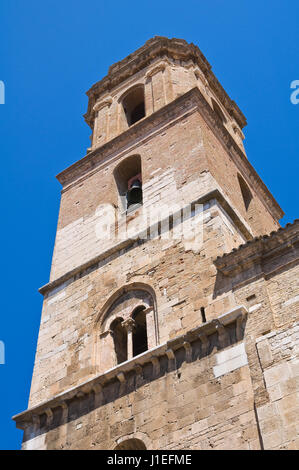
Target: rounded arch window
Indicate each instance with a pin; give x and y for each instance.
(219, 111)
(245, 191)
(128, 178)
(131, 444)
(133, 105)
(129, 325)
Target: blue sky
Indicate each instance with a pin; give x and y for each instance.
(51, 52)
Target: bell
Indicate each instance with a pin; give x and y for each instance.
(134, 195)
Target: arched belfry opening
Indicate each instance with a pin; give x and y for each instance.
(245, 191)
(131, 444)
(219, 111)
(140, 343)
(128, 178)
(119, 336)
(133, 105)
(129, 327)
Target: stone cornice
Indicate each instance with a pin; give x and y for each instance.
(95, 385)
(125, 244)
(134, 135)
(258, 250)
(189, 102)
(175, 49)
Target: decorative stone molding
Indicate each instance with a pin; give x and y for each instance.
(121, 377)
(190, 102)
(105, 333)
(125, 244)
(154, 70)
(96, 384)
(170, 354)
(256, 251)
(102, 104)
(166, 49)
(129, 325)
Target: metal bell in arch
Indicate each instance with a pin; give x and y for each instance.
(134, 194)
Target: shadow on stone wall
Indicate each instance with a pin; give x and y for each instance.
(115, 389)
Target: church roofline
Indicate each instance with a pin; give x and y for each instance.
(159, 46)
(258, 248)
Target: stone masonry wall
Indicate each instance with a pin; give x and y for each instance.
(272, 337)
(279, 418)
(181, 274)
(181, 176)
(203, 404)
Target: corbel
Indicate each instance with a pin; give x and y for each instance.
(223, 336)
(204, 343)
(188, 350)
(156, 365)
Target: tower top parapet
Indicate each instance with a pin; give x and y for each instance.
(176, 52)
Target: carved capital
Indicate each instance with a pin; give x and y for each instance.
(105, 333)
(129, 325)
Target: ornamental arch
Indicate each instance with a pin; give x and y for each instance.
(126, 326)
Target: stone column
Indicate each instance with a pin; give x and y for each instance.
(129, 324)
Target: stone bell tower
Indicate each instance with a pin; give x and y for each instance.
(143, 342)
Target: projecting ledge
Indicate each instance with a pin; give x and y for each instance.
(153, 356)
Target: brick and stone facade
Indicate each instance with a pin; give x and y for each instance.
(219, 307)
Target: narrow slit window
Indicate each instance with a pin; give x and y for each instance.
(203, 314)
(219, 111)
(245, 191)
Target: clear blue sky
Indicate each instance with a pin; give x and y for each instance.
(51, 52)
